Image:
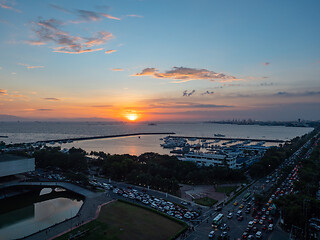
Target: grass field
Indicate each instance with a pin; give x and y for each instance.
(206, 201)
(121, 221)
(227, 190)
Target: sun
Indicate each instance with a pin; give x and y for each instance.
(132, 116)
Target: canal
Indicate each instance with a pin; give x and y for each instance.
(36, 210)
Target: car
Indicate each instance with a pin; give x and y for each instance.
(261, 221)
(263, 227)
(254, 229)
(263, 217)
(211, 234)
(250, 224)
(223, 234)
(250, 237)
(270, 228)
(241, 206)
(245, 235)
(235, 203)
(218, 209)
(240, 218)
(247, 211)
(223, 226)
(230, 215)
(259, 235)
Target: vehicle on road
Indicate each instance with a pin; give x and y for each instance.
(246, 197)
(235, 203)
(217, 220)
(211, 234)
(270, 228)
(259, 235)
(230, 215)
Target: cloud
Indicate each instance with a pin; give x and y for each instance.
(44, 109)
(134, 15)
(51, 99)
(266, 63)
(49, 31)
(102, 106)
(60, 8)
(5, 6)
(86, 15)
(29, 66)
(180, 105)
(109, 16)
(298, 94)
(117, 69)
(36, 43)
(110, 51)
(182, 74)
(207, 93)
(186, 94)
(3, 92)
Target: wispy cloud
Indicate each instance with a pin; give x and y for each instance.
(29, 66)
(44, 109)
(102, 106)
(49, 31)
(207, 93)
(110, 51)
(266, 63)
(134, 15)
(118, 69)
(51, 99)
(109, 16)
(85, 15)
(297, 94)
(180, 105)
(188, 94)
(62, 9)
(182, 74)
(4, 5)
(36, 43)
(3, 92)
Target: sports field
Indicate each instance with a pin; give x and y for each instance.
(120, 220)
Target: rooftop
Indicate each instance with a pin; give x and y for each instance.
(10, 157)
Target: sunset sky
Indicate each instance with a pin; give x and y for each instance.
(153, 60)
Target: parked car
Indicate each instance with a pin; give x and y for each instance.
(211, 234)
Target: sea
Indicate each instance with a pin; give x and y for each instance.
(26, 132)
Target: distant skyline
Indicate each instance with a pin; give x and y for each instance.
(148, 60)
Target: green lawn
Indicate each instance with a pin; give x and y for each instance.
(121, 221)
(226, 190)
(206, 201)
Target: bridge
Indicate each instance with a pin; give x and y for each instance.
(69, 186)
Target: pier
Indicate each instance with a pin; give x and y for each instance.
(103, 137)
(231, 138)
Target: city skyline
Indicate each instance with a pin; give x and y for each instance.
(160, 60)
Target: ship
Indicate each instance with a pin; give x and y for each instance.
(219, 135)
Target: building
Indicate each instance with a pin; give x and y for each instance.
(12, 164)
(210, 159)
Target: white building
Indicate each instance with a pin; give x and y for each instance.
(12, 164)
(210, 159)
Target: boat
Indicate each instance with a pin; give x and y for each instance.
(219, 135)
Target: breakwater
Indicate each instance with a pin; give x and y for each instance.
(231, 138)
(106, 136)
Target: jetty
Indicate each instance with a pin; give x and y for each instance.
(231, 138)
(106, 136)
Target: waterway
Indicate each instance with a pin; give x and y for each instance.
(41, 211)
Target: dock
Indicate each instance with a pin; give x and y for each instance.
(237, 139)
(106, 136)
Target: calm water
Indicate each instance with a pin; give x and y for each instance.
(29, 219)
(37, 131)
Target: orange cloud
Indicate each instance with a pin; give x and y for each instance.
(36, 43)
(182, 74)
(49, 31)
(30, 67)
(3, 92)
(117, 69)
(9, 8)
(134, 15)
(51, 99)
(109, 16)
(110, 51)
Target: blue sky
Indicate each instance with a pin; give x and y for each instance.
(160, 60)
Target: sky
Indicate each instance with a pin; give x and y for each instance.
(160, 60)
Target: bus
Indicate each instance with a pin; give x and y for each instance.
(217, 220)
(246, 197)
